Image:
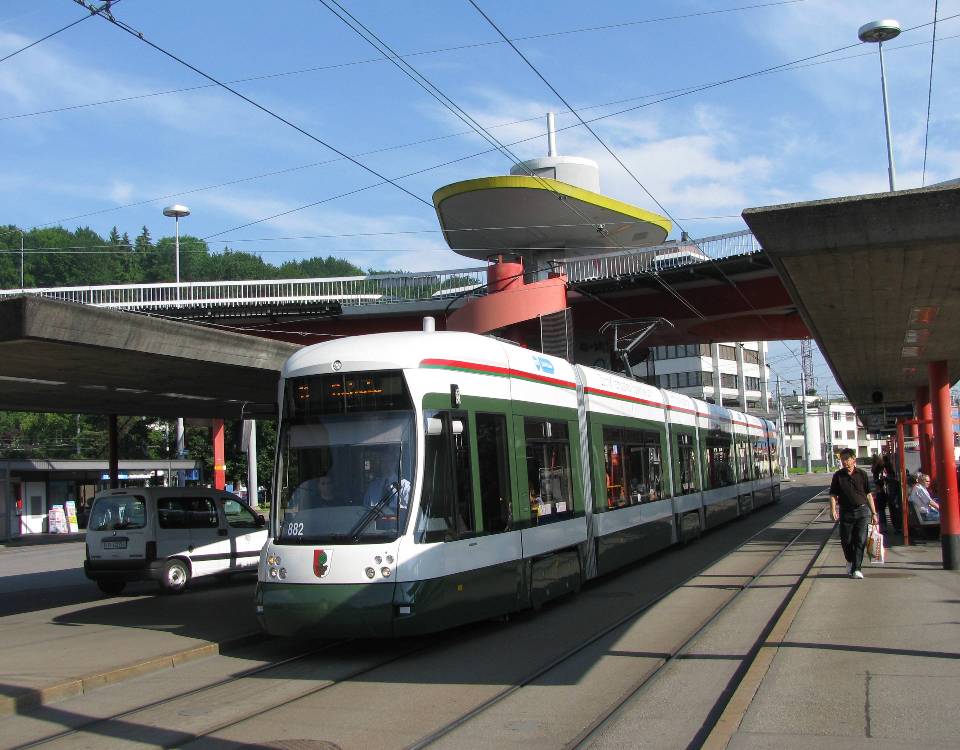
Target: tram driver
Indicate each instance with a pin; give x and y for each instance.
(380, 469)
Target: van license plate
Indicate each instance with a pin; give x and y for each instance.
(115, 544)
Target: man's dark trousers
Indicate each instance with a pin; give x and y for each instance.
(853, 534)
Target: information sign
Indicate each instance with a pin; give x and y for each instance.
(71, 511)
(57, 520)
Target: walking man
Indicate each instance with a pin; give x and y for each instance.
(851, 503)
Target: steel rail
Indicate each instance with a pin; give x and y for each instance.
(438, 734)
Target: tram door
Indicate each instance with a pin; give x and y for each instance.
(34, 507)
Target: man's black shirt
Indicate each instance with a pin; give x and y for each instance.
(850, 489)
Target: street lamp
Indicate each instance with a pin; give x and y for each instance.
(176, 211)
(880, 32)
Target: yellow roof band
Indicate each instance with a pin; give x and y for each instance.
(554, 186)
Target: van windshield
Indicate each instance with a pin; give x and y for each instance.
(118, 512)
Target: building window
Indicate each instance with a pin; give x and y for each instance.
(751, 357)
(851, 434)
(707, 379)
(727, 380)
(838, 434)
(751, 383)
(728, 352)
(836, 415)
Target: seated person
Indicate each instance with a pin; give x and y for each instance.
(312, 493)
(927, 508)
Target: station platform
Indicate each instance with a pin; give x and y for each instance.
(850, 663)
(856, 663)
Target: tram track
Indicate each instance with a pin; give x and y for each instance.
(133, 726)
(590, 733)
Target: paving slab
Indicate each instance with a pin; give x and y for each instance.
(873, 661)
(63, 640)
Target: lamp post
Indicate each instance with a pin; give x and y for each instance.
(880, 32)
(176, 211)
(21, 261)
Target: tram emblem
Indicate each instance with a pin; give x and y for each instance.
(544, 365)
(321, 563)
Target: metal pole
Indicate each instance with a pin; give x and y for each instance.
(902, 451)
(886, 122)
(21, 260)
(176, 245)
(803, 412)
(828, 441)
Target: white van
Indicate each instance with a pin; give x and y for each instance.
(169, 534)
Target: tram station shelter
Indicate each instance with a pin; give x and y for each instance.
(874, 278)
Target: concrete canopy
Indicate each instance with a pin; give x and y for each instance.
(65, 357)
(877, 280)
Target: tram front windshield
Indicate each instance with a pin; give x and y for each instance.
(344, 464)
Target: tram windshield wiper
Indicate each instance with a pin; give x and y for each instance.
(375, 511)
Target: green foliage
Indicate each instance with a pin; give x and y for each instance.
(55, 256)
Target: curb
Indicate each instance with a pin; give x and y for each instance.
(31, 698)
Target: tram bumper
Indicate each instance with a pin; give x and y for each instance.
(334, 610)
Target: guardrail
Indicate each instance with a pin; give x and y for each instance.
(660, 257)
(387, 288)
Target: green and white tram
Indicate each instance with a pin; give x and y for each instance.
(424, 480)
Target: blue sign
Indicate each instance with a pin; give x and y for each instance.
(544, 365)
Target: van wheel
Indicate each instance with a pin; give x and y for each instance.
(176, 573)
(111, 587)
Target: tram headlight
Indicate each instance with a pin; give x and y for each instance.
(283, 573)
(370, 572)
(378, 559)
(385, 571)
(273, 559)
(390, 559)
(274, 573)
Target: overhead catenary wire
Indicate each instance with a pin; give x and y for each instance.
(266, 110)
(787, 67)
(926, 130)
(365, 33)
(473, 45)
(683, 92)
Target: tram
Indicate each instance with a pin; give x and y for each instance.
(429, 479)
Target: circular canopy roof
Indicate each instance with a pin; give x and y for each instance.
(524, 214)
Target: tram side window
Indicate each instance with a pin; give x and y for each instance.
(744, 460)
(495, 500)
(761, 458)
(633, 467)
(446, 502)
(686, 464)
(719, 460)
(548, 470)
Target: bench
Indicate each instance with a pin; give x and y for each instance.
(928, 528)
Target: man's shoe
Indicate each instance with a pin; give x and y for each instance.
(850, 570)
(857, 574)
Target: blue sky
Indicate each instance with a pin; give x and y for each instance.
(807, 132)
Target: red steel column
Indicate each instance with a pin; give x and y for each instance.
(925, 411)
(219, 460)
(943, 446)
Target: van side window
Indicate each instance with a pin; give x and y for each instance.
(187, 513)
(238, 515)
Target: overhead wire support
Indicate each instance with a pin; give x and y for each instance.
(105, 7)
(139, 35)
